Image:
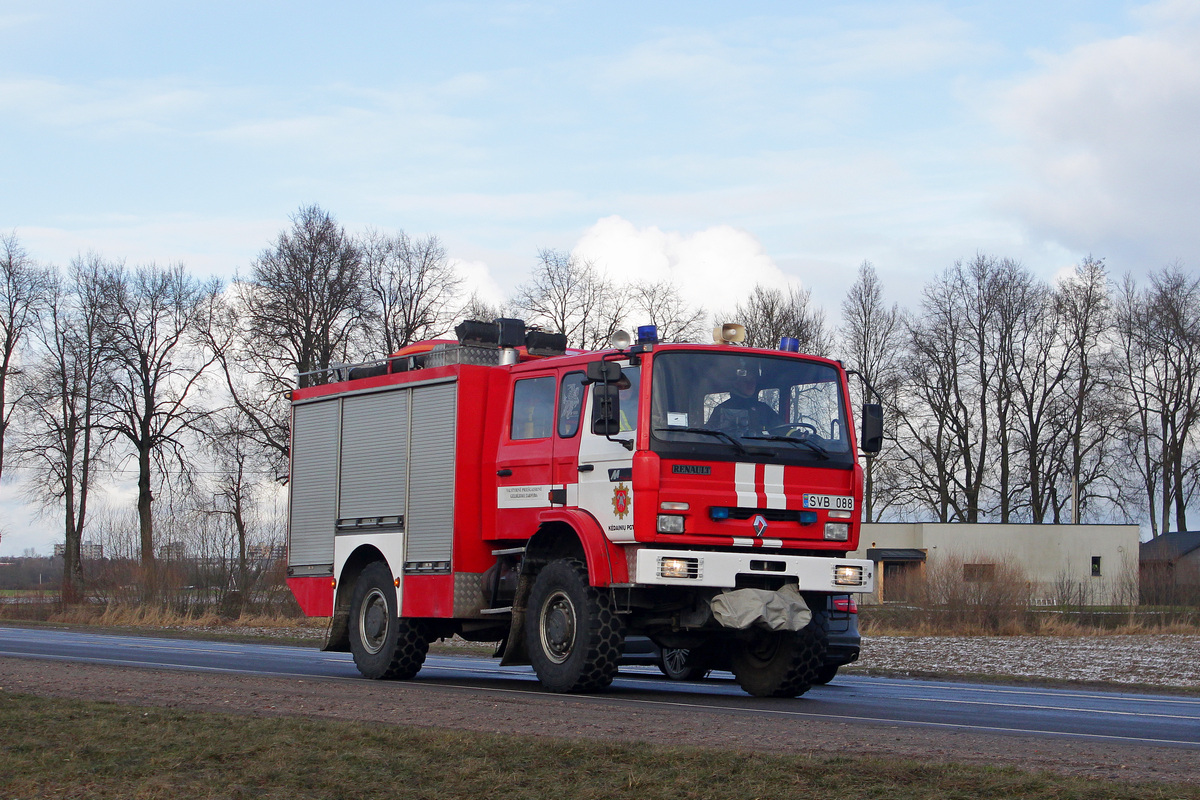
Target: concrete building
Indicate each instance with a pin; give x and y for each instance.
(1079, 564)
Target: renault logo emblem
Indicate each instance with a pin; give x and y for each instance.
(760, 525)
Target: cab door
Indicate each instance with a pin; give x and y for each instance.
(524, 472)
(606, 464)
(568, 428)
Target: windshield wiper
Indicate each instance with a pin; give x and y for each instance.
(709, 432)
(816, 448)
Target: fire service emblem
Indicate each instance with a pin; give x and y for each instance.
(621, 501)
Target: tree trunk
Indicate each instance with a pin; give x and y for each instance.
(146, 527)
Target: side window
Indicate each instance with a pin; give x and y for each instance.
(629, 387)
(533, 408)
(570, 404)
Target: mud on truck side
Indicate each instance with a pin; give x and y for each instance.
(502, 488)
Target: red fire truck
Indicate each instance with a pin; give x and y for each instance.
(502, 488)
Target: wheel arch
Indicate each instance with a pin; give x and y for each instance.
(565, 533)
(337, 638)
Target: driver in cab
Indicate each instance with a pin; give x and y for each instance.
(743, 414)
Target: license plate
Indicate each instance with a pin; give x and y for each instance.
(836, 502)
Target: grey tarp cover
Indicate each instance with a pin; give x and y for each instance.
(784, 610)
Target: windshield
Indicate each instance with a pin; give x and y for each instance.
(749, 407)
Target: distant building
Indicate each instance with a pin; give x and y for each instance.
(266, 552)
(172, 551)
(88, 551)
(1170, 568)
(1093, 564)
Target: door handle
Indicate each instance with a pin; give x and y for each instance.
(586, 467)
(504, 473)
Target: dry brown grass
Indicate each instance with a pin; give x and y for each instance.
(63, 748)
(953, 598)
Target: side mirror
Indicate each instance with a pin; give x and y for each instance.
(871, 440)
(606, 408)
(603, 372)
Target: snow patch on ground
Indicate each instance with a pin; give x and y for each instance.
(1153, 659)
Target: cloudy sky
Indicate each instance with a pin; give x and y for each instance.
(718, 144)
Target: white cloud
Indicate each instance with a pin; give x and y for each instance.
(714, 268)
(478, 280)
(1108, 142)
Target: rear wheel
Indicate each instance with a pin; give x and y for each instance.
(384, 646)
(575, 635)
(779, 663)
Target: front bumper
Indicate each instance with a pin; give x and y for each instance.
(660, 567)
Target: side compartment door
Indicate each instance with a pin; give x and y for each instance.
(313, 488)
(431, 490)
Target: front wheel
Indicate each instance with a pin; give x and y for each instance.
(825, 674)
(384, 646)
(779, 663)
(574, 633)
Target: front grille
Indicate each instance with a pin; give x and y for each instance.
(769, 514)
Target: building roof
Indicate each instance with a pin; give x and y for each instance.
(1170, 546)
(895, 554)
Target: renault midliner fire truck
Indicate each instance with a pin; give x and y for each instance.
(502, 488)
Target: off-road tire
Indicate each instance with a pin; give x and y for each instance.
(680, 664)
(779, 663)
(825, 674)
(384, 646)
(574, 634)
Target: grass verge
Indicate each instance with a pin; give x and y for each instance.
(69, 749)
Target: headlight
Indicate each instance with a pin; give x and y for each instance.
(670, 523)
(847, 575)
(678, 567)
(837, 531)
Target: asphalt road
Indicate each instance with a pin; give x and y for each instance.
(1096, 716)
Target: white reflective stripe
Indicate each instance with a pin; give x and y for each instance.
(772, 542)
(523, 496)
(743, 484)
(740, 542)
(773, 486)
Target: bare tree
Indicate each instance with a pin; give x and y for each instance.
(871, 342)
(955, 369)
(412, 288)
(235, 485)
(1158, 333)
(1083, 317)
(153, 324)
(770, 314)
(569, 295)
(62, 445)
(308, 296)
(23, 290)
(659, 304)
(478, 309)
(301, 311)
